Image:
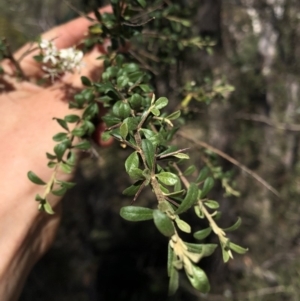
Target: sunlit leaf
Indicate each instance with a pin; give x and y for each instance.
(161, 102)
(183, 226)
(132, 162)
(212, 204)
(167, 178)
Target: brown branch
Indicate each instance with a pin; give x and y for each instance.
(254, 175)
(269, 122)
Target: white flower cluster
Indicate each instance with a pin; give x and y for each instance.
(57, 62)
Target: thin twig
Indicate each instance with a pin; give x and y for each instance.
(231, 160)
(269, 122)
(78, 11)
(144, 64)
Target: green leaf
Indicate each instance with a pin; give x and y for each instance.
(203, 174)
(142, 3)
(105, 136)
(202, 233)
(161, 102)
(155, 111)
(170, 259)
(124, 130)
(72, 118)
(174, 115)
(198, 212)
(132, 162)
(135, 101)
(212, 204)
(136, 174)
(39, 198)
(182, 156)
(68, 185)
(60, 191)
(198, 279)
(207, 186)
(132, 123)
(85, 81)
(51, 164)
(79, 131)
(91, 111)
(59, 150)
(173, 282)
(136, 214)
(208, 249)
(190, 170)
(149, 152)
(35, 179)
(71, 158)
(60, 137)
(163, 223)
(146, 88)
(46, 207)
(225, 254)
(83, 145)
(189, 200)
(236, 248)
(182, 225)
(203, 249)
(121, 109)
(167, 178)
(50, 156)
(133, 189)
(62, 123)
(150, 135)
(235, 226)
(66, 168)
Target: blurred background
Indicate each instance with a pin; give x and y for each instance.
(98, 256)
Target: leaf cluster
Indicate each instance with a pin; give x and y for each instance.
(139, 121)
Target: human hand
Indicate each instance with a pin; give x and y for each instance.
(26, 130)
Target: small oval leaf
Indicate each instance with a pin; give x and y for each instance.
(183, 226)
(35, 179)
(198, 279)
(136, 214)
(161, 102)
(202, 233)
(207, 186)
(167, 178)
(163, 223)
(132, 162)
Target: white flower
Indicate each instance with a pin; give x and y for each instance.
(71, 59)
(45, 44)
(50, 55)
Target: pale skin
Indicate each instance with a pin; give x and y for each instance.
(26, 129)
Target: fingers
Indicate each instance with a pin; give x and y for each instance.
(66, 35)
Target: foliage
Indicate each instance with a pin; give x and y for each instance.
(138, 120)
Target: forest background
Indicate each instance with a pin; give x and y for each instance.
(98, 256)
